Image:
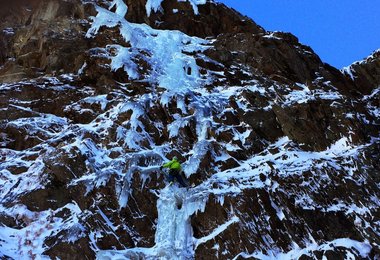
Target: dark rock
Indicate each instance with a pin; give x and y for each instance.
(212, 20)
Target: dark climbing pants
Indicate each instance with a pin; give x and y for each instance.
(173, 174)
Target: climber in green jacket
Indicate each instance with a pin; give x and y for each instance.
(175, 168)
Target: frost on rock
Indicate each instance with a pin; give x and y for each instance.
(305, 95)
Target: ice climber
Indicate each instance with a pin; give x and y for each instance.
(174, 167)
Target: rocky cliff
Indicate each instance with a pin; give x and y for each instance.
(282, 150)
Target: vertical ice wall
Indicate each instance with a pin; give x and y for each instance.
(174, 234)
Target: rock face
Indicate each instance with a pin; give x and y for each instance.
(282, 149)
(365, 74)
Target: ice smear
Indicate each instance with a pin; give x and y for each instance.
(170, 66)
(305, 95)
(272, 35)
(286, 162)
(155, 5)
(29, 241)
(216, 232)
(121, 7)
(348, 71)
(154, 158)
(362, 249)
(13, 185)
(45, 125)
(98, 162)
(372, 103)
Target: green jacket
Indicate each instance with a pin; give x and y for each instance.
(173, 165)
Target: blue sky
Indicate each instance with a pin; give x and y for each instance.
(339, 31)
